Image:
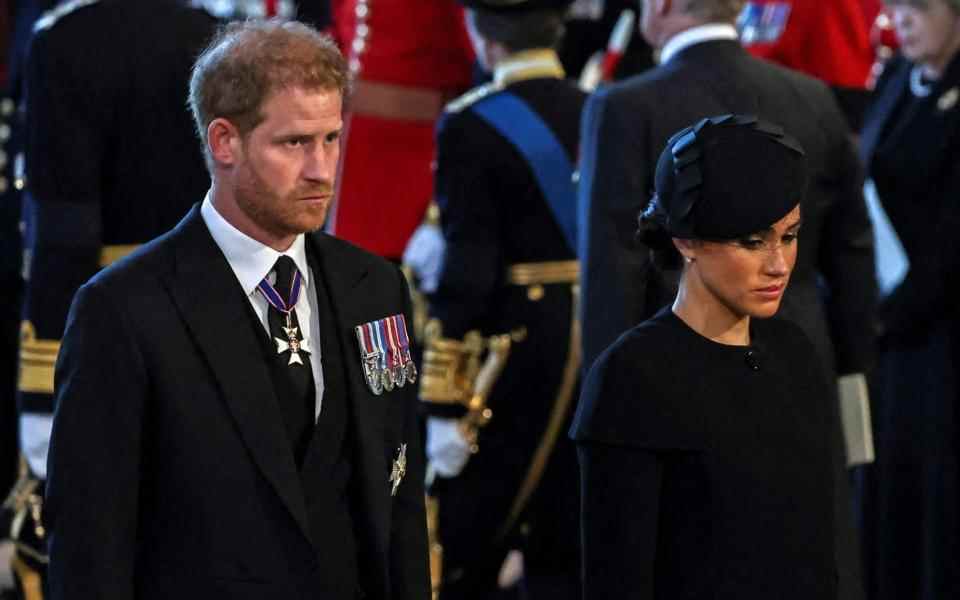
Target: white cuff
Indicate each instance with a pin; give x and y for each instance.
(35, 431)
(446, 449)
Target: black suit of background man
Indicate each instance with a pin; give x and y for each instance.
(626, 126)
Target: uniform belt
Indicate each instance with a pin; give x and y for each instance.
(111, 254)
(544, 273)
(400, 102)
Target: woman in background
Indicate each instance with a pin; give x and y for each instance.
(702, 432)
(911, 150)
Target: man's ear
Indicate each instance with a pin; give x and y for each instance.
(223, 141)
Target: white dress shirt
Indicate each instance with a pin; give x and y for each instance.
(251, 261)
(696, 35)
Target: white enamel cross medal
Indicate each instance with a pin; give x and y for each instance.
(294, 344)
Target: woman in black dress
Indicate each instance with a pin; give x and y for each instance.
(911, 150)
(705, 467)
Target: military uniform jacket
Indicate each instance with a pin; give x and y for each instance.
(112, 156)
(493, 215)
(409, 59)
(171, 472)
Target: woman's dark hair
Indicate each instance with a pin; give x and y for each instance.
(652, 233)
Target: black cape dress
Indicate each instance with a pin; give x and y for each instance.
(705, 469)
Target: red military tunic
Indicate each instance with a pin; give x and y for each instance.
(828, 39)
(409, 59)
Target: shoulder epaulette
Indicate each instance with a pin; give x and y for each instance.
(471, 97)
(50, 17)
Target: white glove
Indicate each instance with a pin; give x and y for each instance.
(447, 451)
(35, 431)
(424, 254)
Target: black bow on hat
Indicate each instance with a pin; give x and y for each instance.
(726, 177)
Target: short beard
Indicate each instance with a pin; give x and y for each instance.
(255, 199)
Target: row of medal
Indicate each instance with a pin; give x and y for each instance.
(385, 352)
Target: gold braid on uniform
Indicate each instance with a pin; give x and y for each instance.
(38, 356)
(37, 360)
(536, 275)
(454, 374)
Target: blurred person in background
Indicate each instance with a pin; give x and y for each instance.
(16, 24)
(911, 149)
(827, 40)
(408, 59)
(507, 208)
(589, 25)
(18, 19)
(111, 162)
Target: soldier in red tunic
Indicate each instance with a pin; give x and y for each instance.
(828, 40)
(409, 59)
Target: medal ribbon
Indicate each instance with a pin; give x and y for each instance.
(363, 335)
(382, 345)
(274, 298)
(404, 341)
(395, 358)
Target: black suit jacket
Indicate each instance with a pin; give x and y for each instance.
(624, 129)
(170, 474)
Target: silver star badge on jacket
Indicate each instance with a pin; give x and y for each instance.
(399, 469)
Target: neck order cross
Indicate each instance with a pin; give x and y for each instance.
(289, 280)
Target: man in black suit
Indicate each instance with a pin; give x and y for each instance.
(703, 72)
(235, 415)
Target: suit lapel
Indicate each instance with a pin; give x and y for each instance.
(346, 279)
(921, 134)
(883, 108)
(215, 310)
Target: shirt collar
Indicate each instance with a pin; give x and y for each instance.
(696, 35)
(528, 64)
(250, 260)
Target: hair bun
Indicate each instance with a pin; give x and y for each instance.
(652, 227)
